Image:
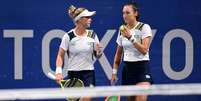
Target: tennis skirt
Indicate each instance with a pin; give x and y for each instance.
(136, 72)
(87, 76)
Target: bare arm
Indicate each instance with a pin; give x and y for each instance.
(117, 58)
(60, 57)
(59, 63)
(117, 61)
(144, 46)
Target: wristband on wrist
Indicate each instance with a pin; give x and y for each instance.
(58, 70)
(132, 39)
(114, 71)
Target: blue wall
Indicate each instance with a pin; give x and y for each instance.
(166, 18)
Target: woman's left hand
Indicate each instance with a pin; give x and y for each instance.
(98, 49)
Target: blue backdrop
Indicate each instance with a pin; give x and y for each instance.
(30, 32)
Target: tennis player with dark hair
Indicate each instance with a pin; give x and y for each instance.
(82, 47)
(133, 42)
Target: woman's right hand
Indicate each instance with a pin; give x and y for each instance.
(125, 31)
(59, 77)
(114, 79)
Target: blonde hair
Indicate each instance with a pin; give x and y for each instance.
(74, 12)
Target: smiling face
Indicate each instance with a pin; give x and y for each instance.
(129, 14)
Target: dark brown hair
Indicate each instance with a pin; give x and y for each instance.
(135, 8)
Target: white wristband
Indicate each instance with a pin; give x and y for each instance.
(58, 70)
(132, 39)
(114, 71)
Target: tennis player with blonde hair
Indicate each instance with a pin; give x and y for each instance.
(82, 47)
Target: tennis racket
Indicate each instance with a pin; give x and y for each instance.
(113, 98)
(74, 82)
